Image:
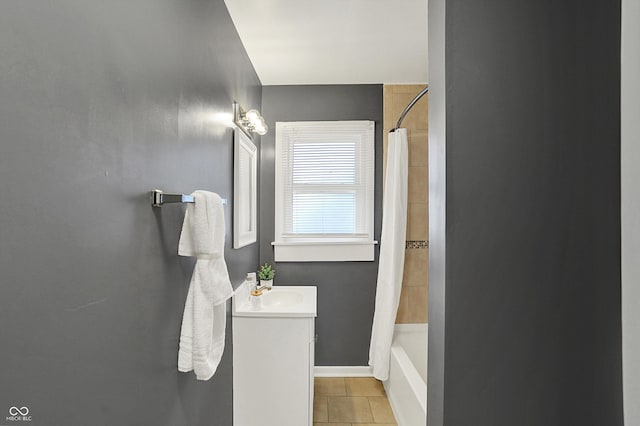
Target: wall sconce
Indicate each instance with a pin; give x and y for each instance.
(250, 121)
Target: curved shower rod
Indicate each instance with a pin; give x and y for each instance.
(406, 110)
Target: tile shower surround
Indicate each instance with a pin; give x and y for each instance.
(415, 284)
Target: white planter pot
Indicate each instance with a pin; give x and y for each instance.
(266, 283)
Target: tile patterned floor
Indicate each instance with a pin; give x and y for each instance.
(351, 401)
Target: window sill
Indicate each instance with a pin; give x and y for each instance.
(342, 251)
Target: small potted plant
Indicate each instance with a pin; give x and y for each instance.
(266, 274)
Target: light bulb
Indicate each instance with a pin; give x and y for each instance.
(252, 115)
(261, 128)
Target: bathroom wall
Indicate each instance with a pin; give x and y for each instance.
(101, 102)
(436, 29)
(346, 290)
(413, 306)
(630, 91)
(524, 230)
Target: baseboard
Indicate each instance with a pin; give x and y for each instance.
(343, 371)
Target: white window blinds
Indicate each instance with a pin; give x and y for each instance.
(324, 183)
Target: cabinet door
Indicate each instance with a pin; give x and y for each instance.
(271, 371)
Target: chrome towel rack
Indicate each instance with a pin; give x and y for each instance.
(159, 198)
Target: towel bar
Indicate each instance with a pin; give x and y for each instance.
(158, 198)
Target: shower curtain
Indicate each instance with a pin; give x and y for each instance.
(392, 246)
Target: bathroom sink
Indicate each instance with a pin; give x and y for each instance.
(280, 301)
(282, 298)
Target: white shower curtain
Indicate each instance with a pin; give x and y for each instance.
(392, 246)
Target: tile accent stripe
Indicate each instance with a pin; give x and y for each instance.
(417, 244)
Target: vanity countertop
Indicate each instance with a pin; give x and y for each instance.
(280, 301)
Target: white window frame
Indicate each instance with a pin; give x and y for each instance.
(298, 248)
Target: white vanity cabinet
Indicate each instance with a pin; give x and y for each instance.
(273, 358)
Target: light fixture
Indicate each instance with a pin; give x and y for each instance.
(250, 121)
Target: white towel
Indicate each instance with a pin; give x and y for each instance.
(205, 318)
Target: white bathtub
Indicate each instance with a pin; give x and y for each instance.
(407, 384)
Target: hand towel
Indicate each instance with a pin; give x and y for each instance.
(204, 319)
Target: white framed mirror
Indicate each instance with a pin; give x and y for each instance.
(245, 190)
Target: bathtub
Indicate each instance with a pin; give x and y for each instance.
(407, 384)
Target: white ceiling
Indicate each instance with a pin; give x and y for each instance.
(334, 41)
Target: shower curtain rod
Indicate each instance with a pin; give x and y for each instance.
(406, 110)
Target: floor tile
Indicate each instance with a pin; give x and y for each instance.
(326, 386)
(369, 424)
(337, 424)
(364, 386)
(320, 409)
(349, 409)
(381, 409)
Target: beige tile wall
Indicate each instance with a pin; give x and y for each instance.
(415, 284)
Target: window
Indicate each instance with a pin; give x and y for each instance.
(324, 191)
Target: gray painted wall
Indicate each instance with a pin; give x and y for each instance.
(437, 210)
(531, 319)
(346, 290)
(631, 208)
(101, 102)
